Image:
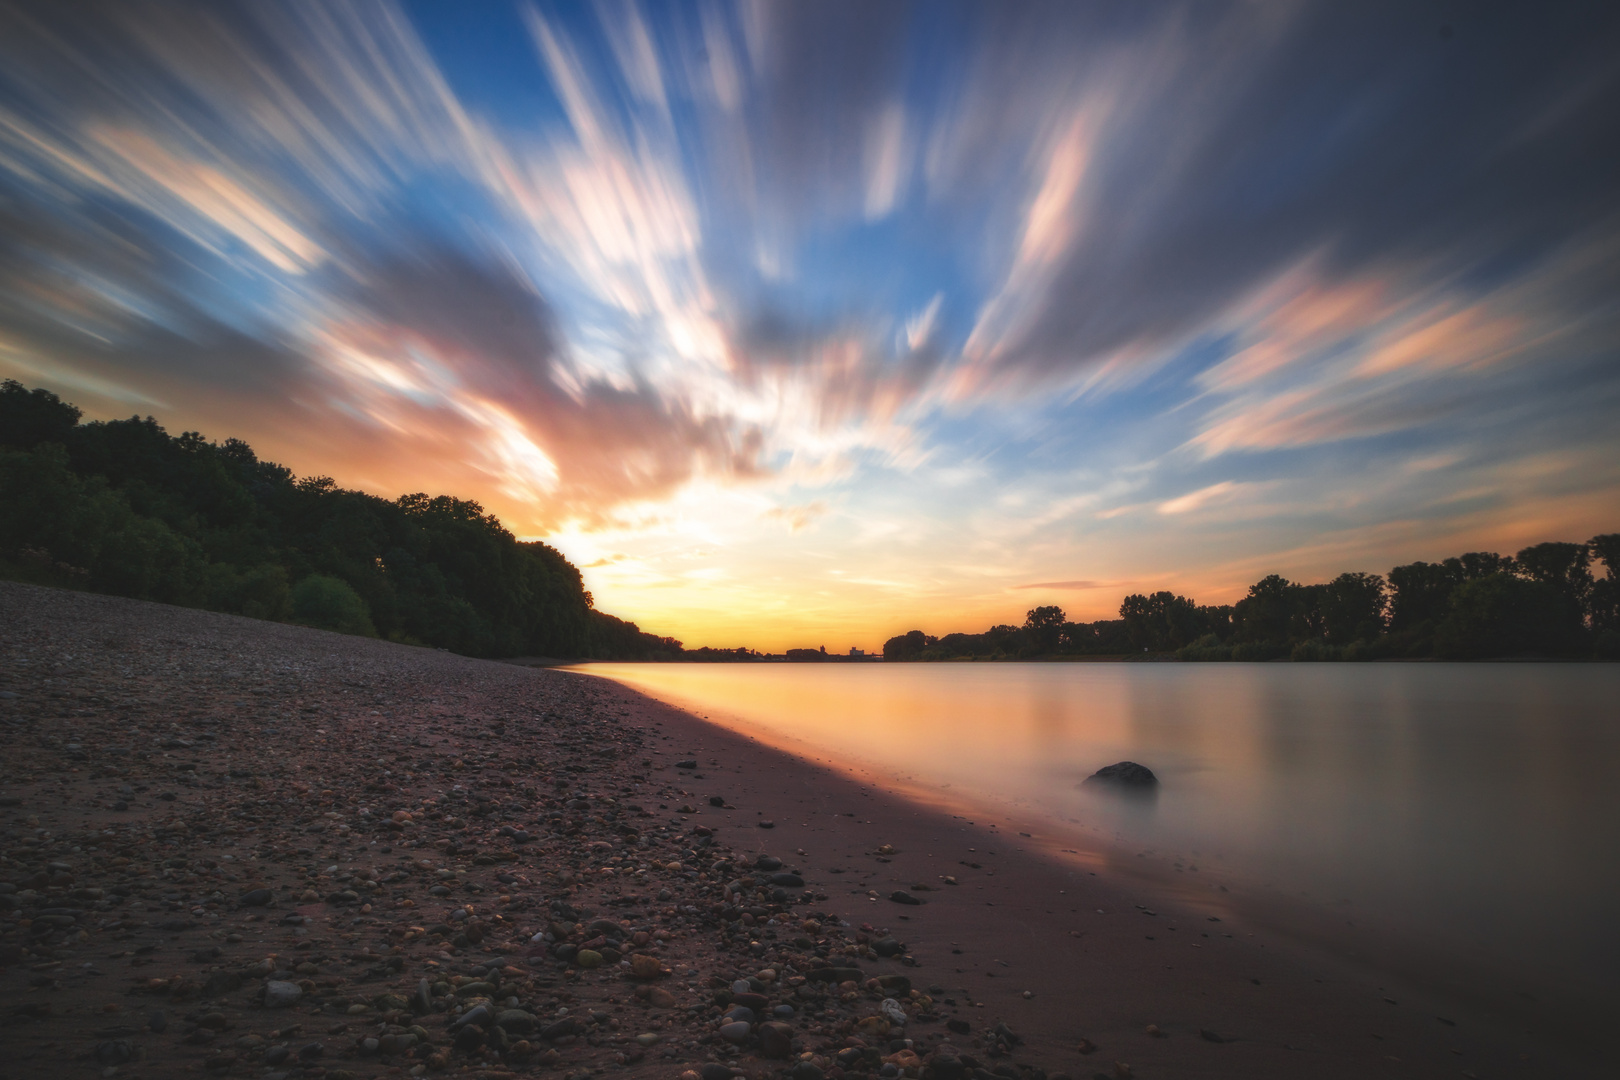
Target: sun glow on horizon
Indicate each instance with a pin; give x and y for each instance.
(787, 342)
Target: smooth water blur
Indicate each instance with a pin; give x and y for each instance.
(1475, 807)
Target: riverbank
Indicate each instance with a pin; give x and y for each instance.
(240, 846)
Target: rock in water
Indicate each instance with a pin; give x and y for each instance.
(1128, 773)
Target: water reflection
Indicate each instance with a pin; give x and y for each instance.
(1470, 803)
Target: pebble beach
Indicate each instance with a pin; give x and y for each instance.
(238, 848)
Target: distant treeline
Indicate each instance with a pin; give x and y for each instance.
(123, 507)
(1544, 601)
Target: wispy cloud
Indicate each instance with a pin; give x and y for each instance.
(1017, 286)
(1076, 585)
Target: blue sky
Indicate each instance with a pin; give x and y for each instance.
(802, 324)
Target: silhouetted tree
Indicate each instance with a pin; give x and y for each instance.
(1044, 628)
(1160, 622)
(1268, 613)
(1352, 608)
(1605, 596)
(906, 646)
(124, 507)
(30, 417)
(1505, 615)
(1565, 567)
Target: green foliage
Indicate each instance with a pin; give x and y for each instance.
(124, 507)
(1207, 649)
(1273, 610)
(331, 604)
(80, 532)
(30, 417)
(1504, 615)
(1352, 608)
(1317, 651)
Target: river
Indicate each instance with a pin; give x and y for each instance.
(1464, 814)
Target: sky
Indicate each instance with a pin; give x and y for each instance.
(805, 324)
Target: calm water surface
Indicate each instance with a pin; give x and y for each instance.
(1474, 808)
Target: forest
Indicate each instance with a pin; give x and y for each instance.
(123, 507)
(1544, 601)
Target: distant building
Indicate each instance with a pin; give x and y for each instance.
(853, 651)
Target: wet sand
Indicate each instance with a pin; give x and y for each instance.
(202, 812)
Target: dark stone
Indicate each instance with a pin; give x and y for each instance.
(564, 1027)
(897, 985)
(1210, 1036)
(788, 881)
(775, 1039)
(481, 1015)
(1128, 773)
(689, 763)
(717, 800)
(257, 898)
(767, 863)
(756, 1002)
(221, 983)
(900, 896)
(959, 1026)
(311, 1051)
(715, 1071)
(947, 1066)
(115, 1052)
(888, 947)
(835, 974)
(804, 1070)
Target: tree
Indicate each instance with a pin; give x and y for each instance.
(127, 508)
(331, 604)
(30, 417)
(1504, 615)
(1044, 626)
(1604, 603)
(1565, 567)
(1352, 608)
(1160, 622)
(1266, 614)
(906, 646)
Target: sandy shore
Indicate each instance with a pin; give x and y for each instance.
(247, 849)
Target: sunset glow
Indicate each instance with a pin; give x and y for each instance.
(808, 324)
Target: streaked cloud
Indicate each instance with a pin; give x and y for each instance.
(1063, 294)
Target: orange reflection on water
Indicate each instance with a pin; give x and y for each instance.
(1458, 804)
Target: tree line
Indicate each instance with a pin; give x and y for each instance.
(123, 507)
(1544, 601)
